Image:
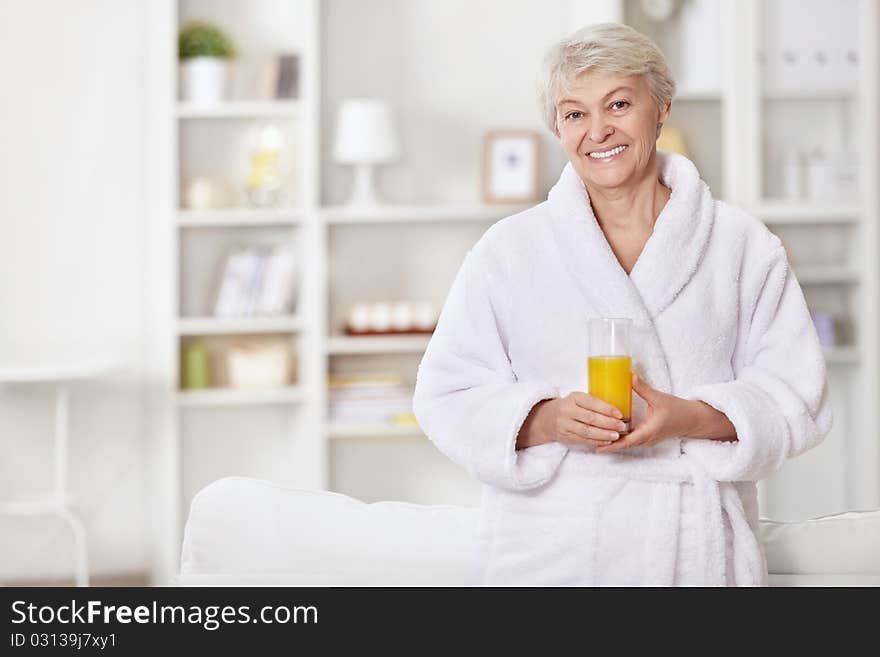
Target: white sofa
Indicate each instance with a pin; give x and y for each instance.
(245, 531)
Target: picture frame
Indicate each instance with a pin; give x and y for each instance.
(511, 162)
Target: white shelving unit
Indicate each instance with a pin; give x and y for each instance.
(848, 461)
(189, 247)
(359, 244)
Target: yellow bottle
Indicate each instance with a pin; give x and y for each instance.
(610, 380)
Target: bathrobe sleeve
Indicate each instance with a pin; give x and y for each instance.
(778, 401)
(467, 398)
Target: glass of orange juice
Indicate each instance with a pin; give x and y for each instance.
(609, 363)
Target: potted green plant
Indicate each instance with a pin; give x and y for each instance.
(204, 50)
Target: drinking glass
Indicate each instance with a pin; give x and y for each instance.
(609, 363)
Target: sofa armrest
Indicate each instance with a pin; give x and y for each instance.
(835, 545)
(239, 527)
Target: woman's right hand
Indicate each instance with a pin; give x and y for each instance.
(576, 419)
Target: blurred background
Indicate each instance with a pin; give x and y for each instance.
(228, 227)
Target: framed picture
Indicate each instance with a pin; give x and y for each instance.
(510, 166)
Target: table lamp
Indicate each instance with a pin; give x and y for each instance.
(365, 137)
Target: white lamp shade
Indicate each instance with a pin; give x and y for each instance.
(364, 132)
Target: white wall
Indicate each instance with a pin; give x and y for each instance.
(70, 264)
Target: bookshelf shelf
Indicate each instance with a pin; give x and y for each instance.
(343, 344)
(700, 95)
(830, 275)
(477, 212)
(242, 109)
(811, 95)
(372, 431)
(239, 397)
(842, 355)
(234, 326)
(239, 217)
(775, 212)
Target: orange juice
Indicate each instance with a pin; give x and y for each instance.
(611, 381)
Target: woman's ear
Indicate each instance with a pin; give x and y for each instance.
(664, 113)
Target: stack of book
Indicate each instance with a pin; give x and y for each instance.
(257, 281)
(369, 399)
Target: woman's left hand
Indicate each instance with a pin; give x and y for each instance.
(668, 416)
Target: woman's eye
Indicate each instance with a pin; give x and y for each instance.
(573, 115)
(619, 105)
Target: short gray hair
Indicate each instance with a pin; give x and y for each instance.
(607, 48)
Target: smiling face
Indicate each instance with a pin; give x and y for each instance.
(608, 128)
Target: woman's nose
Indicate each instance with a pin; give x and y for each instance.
(599, 131)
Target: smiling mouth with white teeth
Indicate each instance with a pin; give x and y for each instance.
(604, 155)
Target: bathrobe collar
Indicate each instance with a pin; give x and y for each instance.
(669, 258)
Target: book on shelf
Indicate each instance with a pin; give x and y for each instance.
(368, 398)
(268, 79)
(233, 284)
(275, 295)
(257, 281)
(287, 85)
(279, 78)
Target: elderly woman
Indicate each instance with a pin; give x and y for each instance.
(729, 377)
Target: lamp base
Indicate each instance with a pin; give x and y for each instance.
(364, 192)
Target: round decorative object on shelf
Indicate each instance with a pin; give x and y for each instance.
(424, 315)
(359, 317)
(203, 193)
(383, 318)
(380, 317)
(401, 316)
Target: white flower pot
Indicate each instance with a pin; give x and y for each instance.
(203, 80)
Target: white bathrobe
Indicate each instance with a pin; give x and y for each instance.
(718, 316)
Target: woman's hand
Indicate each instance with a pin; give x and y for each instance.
(669, 417)
(576, 419)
